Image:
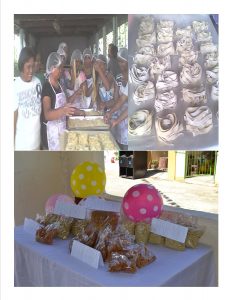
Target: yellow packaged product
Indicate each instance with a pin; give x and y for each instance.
(156, 239)
(142, 231)
(174, 244)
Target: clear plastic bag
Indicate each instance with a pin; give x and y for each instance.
(119, 262)
(193, 236)
(46, 234)
(142, 232)
(156, 239)
(65, 227)
(78, 225)
(102, 218)
(51, 218)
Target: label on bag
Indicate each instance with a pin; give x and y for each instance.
(169, 230)
(86, 254)
(31, 226)
(97, 203)
(70, 210)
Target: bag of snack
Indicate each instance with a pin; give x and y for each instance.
(119, 262)
(65, 227)
(46, 234)
(142, 232)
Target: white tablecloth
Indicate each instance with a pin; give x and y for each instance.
(37, 264)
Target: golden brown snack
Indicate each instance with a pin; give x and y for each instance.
(51, 218)
(174, 244)
(145, 257)
(193, 236)
(142, 232)
(102, 218)
(78, 225)
(46, 234)
(156, 239)
(64, 227)
(129, 226)
(120, 262)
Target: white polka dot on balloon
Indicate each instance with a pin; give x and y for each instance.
(98, 191)
(89, 168)
(135, 193)
(131, 217)
(83, 187)
(155, 208)
(74, 182)
(143, 211)
(77, 192)
(81, 176)
(126, 205)
(150, 197)
(93, 183)
(150, 187)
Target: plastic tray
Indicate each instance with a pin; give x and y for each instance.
(78, 126)
(64, 137)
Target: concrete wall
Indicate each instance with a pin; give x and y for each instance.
(39, 175)
(47, 45)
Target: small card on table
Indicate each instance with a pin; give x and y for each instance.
(70, 210)
(86, 254)
(31, 226)
(169, 230)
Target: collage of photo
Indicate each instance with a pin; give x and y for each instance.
(116, 122)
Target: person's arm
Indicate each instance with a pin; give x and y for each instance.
(121, 100)
(55, 114)
(122, 117)
(15, 121)
(78, 92)
(106, 80)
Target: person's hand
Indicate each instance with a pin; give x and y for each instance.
(79, 112)
(107, 117)
(68, 110)
(113, 123)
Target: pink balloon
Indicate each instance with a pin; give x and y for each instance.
(51, 202)
(142, 202)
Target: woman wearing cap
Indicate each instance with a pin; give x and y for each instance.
(54, 104)
(90, 97)
(65, 78)
(105, 82)
(121, 102)
(79, 80)
(27, 103)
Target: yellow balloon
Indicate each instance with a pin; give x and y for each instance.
(88, 179)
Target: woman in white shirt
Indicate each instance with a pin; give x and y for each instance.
(27, 103)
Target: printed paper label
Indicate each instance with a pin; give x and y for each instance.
(31, 226)
(86, 254)
(170, 230)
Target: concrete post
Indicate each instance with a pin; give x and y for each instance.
(180, 165)
(104, 39)
(115, 30)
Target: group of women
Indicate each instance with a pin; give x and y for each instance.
(41, 106)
